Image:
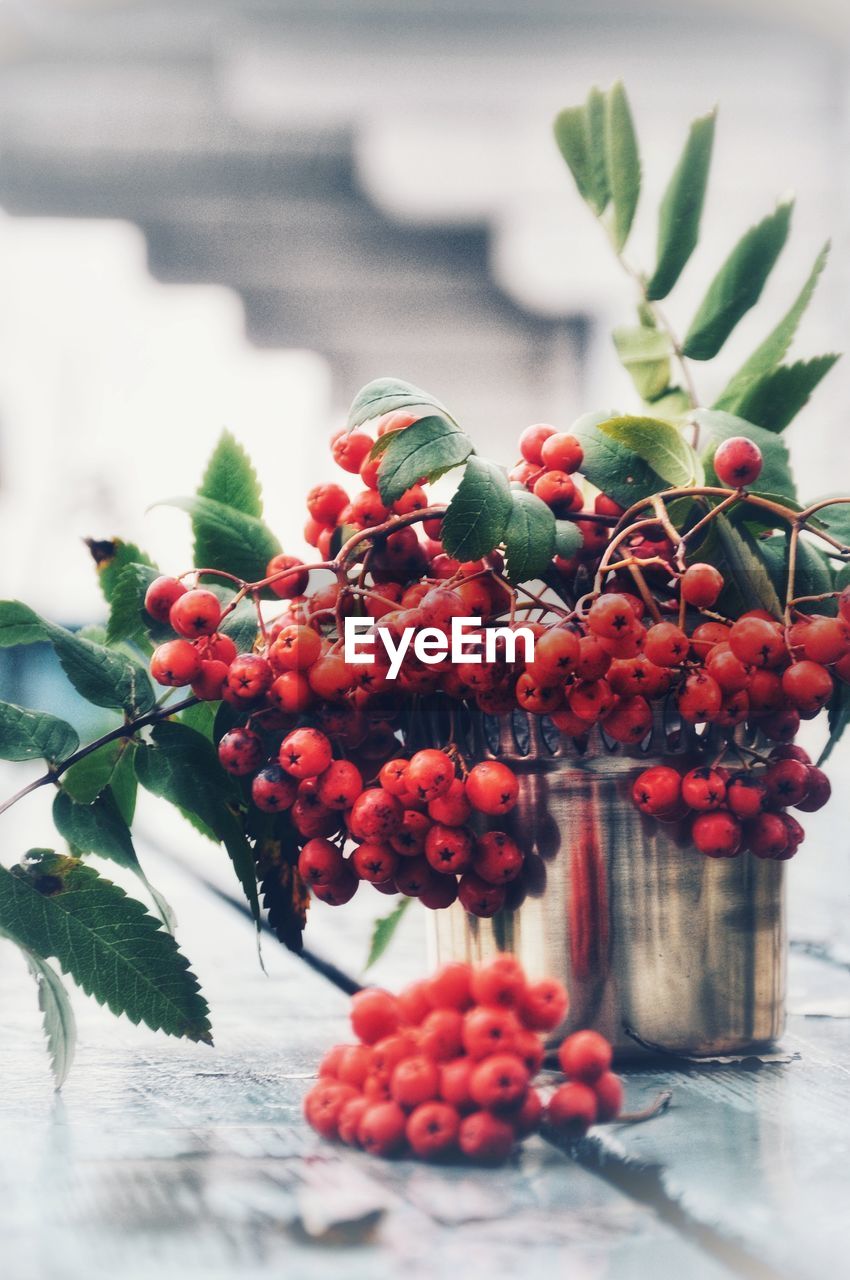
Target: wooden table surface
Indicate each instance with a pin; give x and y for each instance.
(165, 1160)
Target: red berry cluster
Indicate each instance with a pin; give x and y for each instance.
(447, 1068)
(736, 810)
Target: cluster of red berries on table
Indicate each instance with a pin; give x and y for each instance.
(733, 810)
(447, 1068)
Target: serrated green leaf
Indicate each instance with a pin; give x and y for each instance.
(748, 580)
(182, 766)
(595, 125)
(59, 907)
(58, 1021)
(775, 478)
(681, 208)
(241, 625)
(227, 539)
(610, 466)
(201, 718)
(580, 135)
(230, 478)
(778, 397)
(427, 449)
(128, 618)
(568, 539)
(530, 537)
(768, 354)
(111, 559)
(19, 624)
(477, 516)
(622, 162)
(85, 780)
(34, 735)
(385, 395)
(384, 931)
(738, 284)
(657, 443)
(645, 355)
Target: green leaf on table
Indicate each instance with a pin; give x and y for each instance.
(777, 398)
(427, 449)
(385, 395)
(230, 478)
(529, 538)
(776, 477)
(111, 558)
(228, 539)
(34, 735)
(622, 162)
(58, 907)
(657, 443)
(128, 617)
(768, 354)
(100, 828)
(58, 1021)
(645, 355)
(738, 284)
(681, 208)
(568, 539)
(477, 516)
(384, 931)
(749, 583)
(182, 766)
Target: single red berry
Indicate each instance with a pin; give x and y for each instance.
(782, 725)
(441, 1034)
(532, 440)
(729, 672)
(340, 784)
(453, 809)
(609, 1096)
(414, 1003)
(329, 678)
(415, 876)
(498, 859)
(585, 1056)
(432, 1130)
(375, 815)
(249, 677)
(818, 791)
(787, 782)
(374, 1014)
(195, 613)
(562, 452)
(699, 698)
(491, 787)
(375, 863)
(657, 790)
(241, 751)
(478, 897)
(389, 1051)
(527, 1119)
(429, 774)
(630, 720)
(272, 790)
(350, 449)
(703, 788)
(487, 1031)
(557, 489)
(410, 839)
(451, 986)
(499, 984)
(330, 1063)
(824, 640)
(290, 578)
(758, 642)
(610, 616)
(666, 645)
(209, 683)
(485, 1137)
(543, 1005)
(393, 777)
(325, 502)
(746, 795)
(455, 1082)
(808, 686)
(324, 1103)
(355, 1063)
(305, 753)
(738, 462)
(449, 849)
(348, 1120)
(161, 595)
(529, 1047)
(382, 1129)
(717, 834)
(415, 1080)
(175, 663)
(556, 652)
(500, 1082)
(700, 585)
(291, 693)
(320, 862)
(766, 835)
(295, 649)
(572, 1109)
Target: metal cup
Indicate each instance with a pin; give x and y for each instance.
(659, 947)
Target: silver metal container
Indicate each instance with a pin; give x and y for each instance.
(659, 947)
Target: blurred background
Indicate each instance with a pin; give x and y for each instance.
(235, 212)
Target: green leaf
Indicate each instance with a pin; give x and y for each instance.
(19, 624)
(595, 124)
(477, 516)
(838, 717)
(738, 284)
(241, 625)
(836, 519)
(610, 466)
(775, 478)
(568, 539)
(227, 539)
(645, 355)
(622, 162)
(681, 208)
(34, 735)
(383, 931)
(117, 952)
(201, 718)
(124, 785)
(748, 580)
(530, 537)
(580, 135)
(385, 395)
(100, 828)
(111, 559)
(427, 449)
(128, 618)
(230, 478)
(85, 780)
(778, 397)
(767, 356)
(659, 444)
(60, 1027)
(182, 767)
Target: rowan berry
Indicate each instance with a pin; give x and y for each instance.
(210, 680)
(449, 850)
(350, 449)
(393, 777)
(290, 693)
(657, 790)
(295, 648)
(415, 1080)
(374, 1014)
(499, 984)
(348, 1120)
(745, 795)
(249, 677)
(717, 834)
(729, 672)
(415, 876)
(487, 1031)
(556, 652)
(382, 1129)
(738, 462)
(367, 510)
(808, 686)
(543, 1005)
(500, 1082)
(441, 1034)
(818, 791)
(700, 585)
(324, 1103)
(305, 753)
(451, 986)
(429, 774)
(241, 751)
(538, 698)
(175, 663)
(699, 698)
(161, 595)
(610, 616)
(329, 678)
(491, 787)
(757, 642)
(409, 840)
(498, 859)
(571, 1110)
(590, 700)
(478, 897)
(629, 721)
(432, 1130)
(787, 782)
(483, 1136)
(705, 636)
(585, 1056)
(526, 1119)
(666, 645)
(325, 502)
(562, 452)
(390, 1050)
(703, 788)
(453, 809)
(532, 440)
(340, 784)
(782, 725)
(375, 815)
(609, 1096)
(272, 790)
(290, 577)
(593, 661)
(766, 835)
(329, 1065)
(320, 862)
(414, 1003)
(195, 613)
(557, 489)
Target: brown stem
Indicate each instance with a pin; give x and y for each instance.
(657, 1107)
